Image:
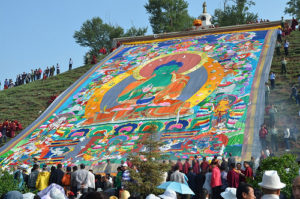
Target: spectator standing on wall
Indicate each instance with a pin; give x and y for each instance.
(283, 65)
(272, 112)
(262, 136)
(274, 139)
(70, 64)
(278, 46)
(57, 69)
(286, 47)
(294, 93)
(272, 79)
(279, 35)
(267, 93)
(286, 137)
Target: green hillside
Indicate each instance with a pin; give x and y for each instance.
(288, 111)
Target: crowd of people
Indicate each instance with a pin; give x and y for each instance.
(214, 179)
(8, 128)
(34, 75)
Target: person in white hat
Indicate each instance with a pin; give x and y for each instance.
(152, 196)
(169, 194)
(229, 193)
(271, 185)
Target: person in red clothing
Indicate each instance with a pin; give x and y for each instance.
(239, 169)
(13, 128)
(179, 165)
(263, 132)
(94, 60)
(5, 123)
(19, 125)
(129, 163)
(118, 44)
(112, 49)
(204, 165)
(294, 24)
(186, 166)
(248, 173)
(195, 165)
(8, 130)
(233, 176)
(216, 182)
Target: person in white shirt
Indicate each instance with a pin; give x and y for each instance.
(91, 181)
(271, 185)
(286, 47)
(177, 176)
(82, 179)
(272, 79)
(286, 137)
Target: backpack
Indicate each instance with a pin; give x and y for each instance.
(66, 180)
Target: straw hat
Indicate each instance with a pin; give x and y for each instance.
(229, 193)
(124, 194)
(271, 181)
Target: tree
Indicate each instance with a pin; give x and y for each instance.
(133, 31)
(150, 171)
(238, 13)
(286, 167)
(95, 34)
(293, 8)
(8, 183)
(168, 15)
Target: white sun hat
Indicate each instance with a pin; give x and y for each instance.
(271, 181)
(152, 196)
(169, 194)
(229, 193)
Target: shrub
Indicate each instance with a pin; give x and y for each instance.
(286, 167)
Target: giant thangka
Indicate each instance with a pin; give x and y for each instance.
(197, 91)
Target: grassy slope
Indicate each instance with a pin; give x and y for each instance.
(25, 103)
(287, 109)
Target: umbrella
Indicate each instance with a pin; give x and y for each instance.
(177, 187)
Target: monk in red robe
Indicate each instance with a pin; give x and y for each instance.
(13, 128)
(204, 165)
(233, 177)
(248, 173)
(179, 165)
(196, 166)
(186, 166)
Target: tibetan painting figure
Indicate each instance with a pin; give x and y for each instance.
(195, 90)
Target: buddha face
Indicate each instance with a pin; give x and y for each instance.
(167, 68)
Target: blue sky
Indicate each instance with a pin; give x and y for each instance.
(37, 33)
